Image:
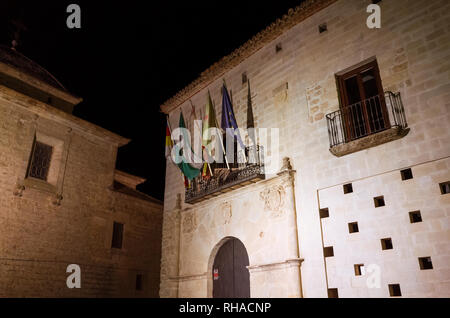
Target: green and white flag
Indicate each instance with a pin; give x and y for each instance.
(185, 158)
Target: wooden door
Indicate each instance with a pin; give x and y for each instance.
(363, 105)
(231, 278)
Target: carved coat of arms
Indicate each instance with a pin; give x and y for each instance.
(274, 199)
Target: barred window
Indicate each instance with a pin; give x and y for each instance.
(39, 164)
(139, 284)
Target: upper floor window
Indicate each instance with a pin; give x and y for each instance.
(362, 101)
(40, 159)
(117, 236)
(139, 282)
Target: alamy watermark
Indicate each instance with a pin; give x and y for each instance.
(220, 149)
(74, 19)
(373, 280)
(374, 19)
(74, 279)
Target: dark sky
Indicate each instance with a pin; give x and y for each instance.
(131, 56)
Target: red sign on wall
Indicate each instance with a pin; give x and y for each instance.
(216, 274)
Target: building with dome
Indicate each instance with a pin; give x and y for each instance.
(359, 205)
(62, 201)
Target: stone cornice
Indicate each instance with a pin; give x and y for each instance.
(295, 262)
(52, 113)
(218, 69)
(127, 179)
(35, 82)
(279, 178)
(188, 277)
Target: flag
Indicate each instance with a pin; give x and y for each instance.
(186, 164)
(191, 156)
(197, 137)
(205, 171)
(209, 121)
(169, 142)
(251, 127)
(187, 183)
(250, 120)
(228, 118)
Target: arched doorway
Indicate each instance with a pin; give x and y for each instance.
(231, 278)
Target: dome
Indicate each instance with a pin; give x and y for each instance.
(21, 63)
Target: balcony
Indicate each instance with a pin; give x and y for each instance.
(225, 180)
(368, 123)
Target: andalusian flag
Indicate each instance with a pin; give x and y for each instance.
(186, 164)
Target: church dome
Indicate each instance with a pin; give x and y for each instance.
(23, 64)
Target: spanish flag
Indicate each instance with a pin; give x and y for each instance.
(169, 142)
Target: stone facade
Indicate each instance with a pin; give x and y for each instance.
(278, 219)
(68, 219)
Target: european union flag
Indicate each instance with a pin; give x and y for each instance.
(228, 119)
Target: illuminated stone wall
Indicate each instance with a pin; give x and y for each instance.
(412, 49)
(45, 227)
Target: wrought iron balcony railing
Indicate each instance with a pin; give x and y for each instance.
(367, 117)
(240, 174)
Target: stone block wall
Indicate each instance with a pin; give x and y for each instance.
(411, 241)
(412, 49)
(40, 237)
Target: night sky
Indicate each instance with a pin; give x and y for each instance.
(129, 57)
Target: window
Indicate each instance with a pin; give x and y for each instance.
(348, 188)
(415, 217)
(359, 269)
(406, 174)
(425, 263)
(379, 201)
(333, 293)
(323, 27)
(324, 213)
(328, 251)
(244, 78)
(386, 244)
(353, 227)
(278, 48)
(39, 164)
(363, 106)
(445, 187)
(117, 235)
(139, 285)
(394, 290)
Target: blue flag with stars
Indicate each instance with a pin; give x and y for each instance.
(228, 119)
